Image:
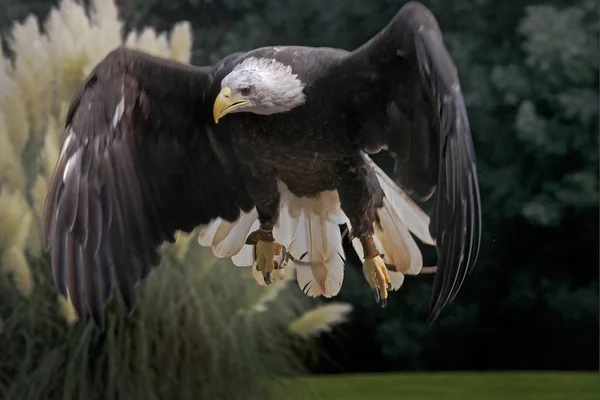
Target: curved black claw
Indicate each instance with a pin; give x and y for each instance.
(377, 295)
(268, 280)
(378, 299)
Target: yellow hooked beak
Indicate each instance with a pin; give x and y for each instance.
(225, 103)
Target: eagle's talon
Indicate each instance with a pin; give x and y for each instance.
(265, 252)
(268, 280)
(376, 293)
(375, 273)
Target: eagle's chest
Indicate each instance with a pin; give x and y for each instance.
(299, 136)
(299, 149)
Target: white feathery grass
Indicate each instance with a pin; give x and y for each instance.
(51, 147)
(131, 39)
(33, 70)
(33, 246)
(38, 195)
(67, 310)
(146, 40)
(181, 42)
(75, 20)
(14, 263)
(11, 169)
(151, 42)
(15, 219)
(68, 40)
(104, 11)
(178, 250)
(106, 29)
(5, 64)
(162, 45)
(320, 319)
(3, 61)
(11, 102)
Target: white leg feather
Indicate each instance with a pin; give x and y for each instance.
(397, 242)
(412, 216)
(234, 238)
(207, 232)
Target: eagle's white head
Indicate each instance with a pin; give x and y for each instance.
(261, 86)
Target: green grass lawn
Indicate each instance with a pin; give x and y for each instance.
(449, 386)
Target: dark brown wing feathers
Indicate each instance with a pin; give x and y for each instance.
(136, 165)
(456, 223)
(411, 103)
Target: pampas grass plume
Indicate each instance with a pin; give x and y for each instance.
(15, 219)
(33, 70)
(11, 170)
(14, 263)
(14, 119)
(181, 42)
(67, 310)
(178, 250)
(320, 319)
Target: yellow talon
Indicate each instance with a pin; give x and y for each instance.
(377, 276)
(268, 254)
(265, 252)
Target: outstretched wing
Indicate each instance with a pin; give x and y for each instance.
(139, 161)
(405, 92)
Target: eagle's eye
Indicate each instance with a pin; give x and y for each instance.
(245, 91)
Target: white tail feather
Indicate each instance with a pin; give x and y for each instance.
(321, 239)
(315, 226)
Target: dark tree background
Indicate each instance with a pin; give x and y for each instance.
(529, 72)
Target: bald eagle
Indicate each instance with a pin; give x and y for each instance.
(268, 150)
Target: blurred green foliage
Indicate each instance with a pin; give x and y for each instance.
(192, 337)
(529, 71)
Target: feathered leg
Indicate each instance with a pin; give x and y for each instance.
(265, 194)
(361, 196)
(265, 250)
(375, 270)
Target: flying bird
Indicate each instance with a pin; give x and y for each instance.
(267, 152)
